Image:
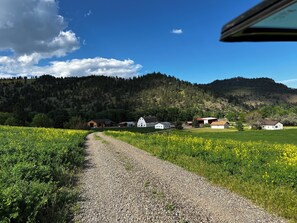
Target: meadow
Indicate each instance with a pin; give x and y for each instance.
(263, 170)
(286, 136)
(37, 173)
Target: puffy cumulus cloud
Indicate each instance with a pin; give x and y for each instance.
(94, 66)
(76, 67)
(177, 31)
(34, 30)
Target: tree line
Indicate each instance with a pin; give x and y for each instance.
(71, 102)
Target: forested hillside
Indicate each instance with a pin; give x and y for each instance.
(61, 102)
(105, 97)
(252, 93)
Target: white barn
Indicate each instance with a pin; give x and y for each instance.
(163, 125)
(220, 125)
(271, 125)
(145, 122)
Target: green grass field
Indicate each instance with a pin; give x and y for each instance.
(286, 136)
(37, 173)
(259, 165)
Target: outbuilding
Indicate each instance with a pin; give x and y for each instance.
(126, 124)
(100, 123)
(220, 125)
(271, 125)
(163, 125)
(204, 121)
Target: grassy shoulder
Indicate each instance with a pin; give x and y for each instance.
(37, 173)
(264, 173)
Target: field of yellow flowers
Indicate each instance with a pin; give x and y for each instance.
(37, 167)
(265, 173)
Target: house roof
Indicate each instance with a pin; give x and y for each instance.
(103, 120)
(219, 123)
(164, 123)
(208, 118)
(269, 122)
(150, 119)
(126, 122)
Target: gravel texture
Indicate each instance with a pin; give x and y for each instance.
(121, 183)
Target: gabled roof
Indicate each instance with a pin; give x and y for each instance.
(126, 122)
(269, 122)
(208, 118)
(219, 123)
(150, 119)
(164, 123)
(103, 120)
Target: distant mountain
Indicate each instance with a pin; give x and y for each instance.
(252, 93)
(119, 99)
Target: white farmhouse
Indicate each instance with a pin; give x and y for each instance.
(163, 125)
(220, 125)
(149, 121)
(271, 125)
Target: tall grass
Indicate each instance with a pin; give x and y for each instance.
(37, 170)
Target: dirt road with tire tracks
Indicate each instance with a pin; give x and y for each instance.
(121, 183)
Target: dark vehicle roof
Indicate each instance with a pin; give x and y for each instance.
(246, 26)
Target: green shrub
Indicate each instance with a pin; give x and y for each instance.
(239, 126)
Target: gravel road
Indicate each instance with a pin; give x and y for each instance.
(121, 183)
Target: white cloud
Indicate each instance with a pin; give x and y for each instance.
(28, 59)
(290, 83)
(34, 29)
(88, 13)
(6, 60)
(75, 67)
(177, 31)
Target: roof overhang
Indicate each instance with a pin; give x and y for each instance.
(271, 20)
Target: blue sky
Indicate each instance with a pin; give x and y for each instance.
(135, 37)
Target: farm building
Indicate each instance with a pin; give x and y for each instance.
(219, 125)
(163, 125)
(189, 123)
(126, 124)
(271, 125)
(202, 121)
(148, 121)
(100, 123)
